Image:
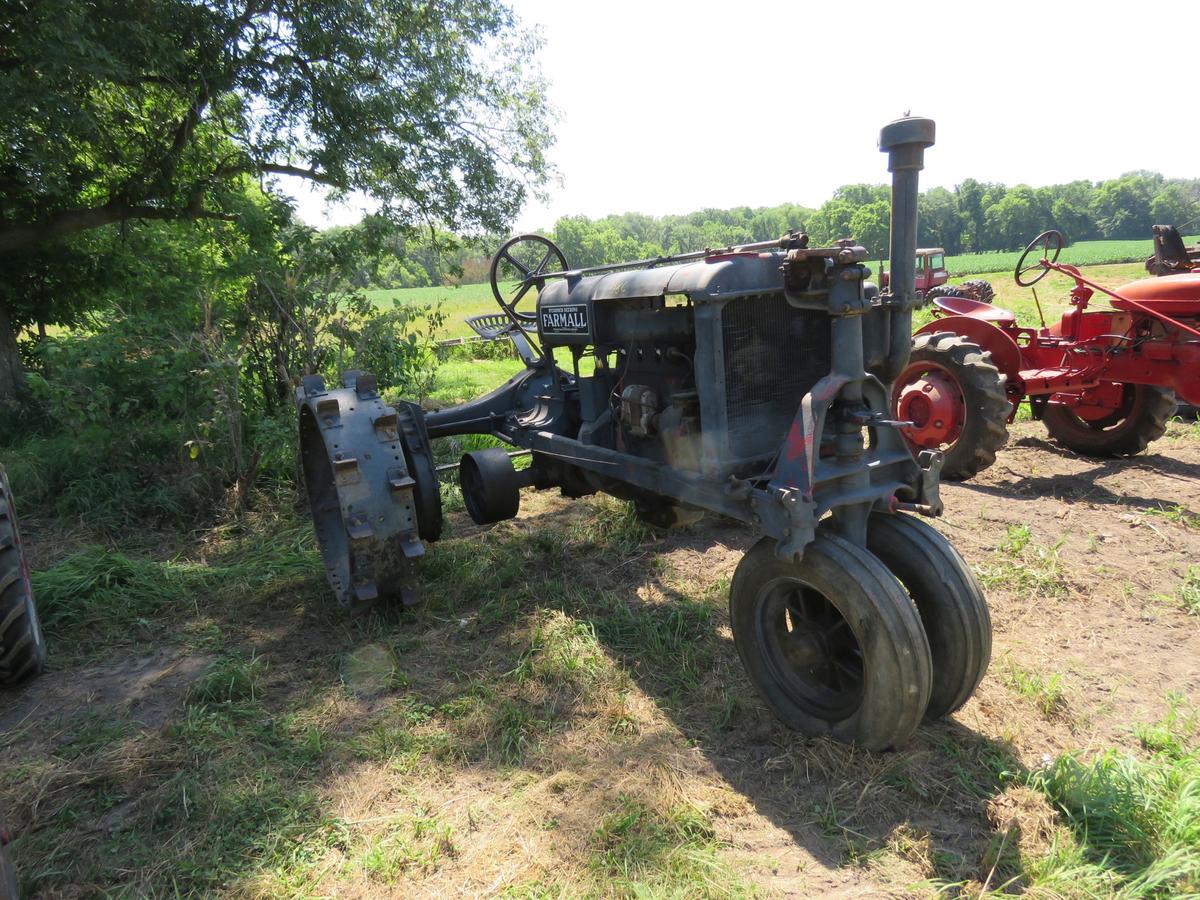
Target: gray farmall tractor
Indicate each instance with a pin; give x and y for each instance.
(752, 382)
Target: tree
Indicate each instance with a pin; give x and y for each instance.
(1016, 217)
(1071, 211)
(938, 220)
(1178, 203)
(162, 109)
(1121, 206)
(971, 208)
(869, 226)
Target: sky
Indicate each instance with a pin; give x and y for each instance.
(670, 107)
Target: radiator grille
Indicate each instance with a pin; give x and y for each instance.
(774, 354)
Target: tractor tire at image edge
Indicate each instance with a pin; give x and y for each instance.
(22, 648)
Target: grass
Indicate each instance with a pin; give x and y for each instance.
(457, 303)
(565, 716)
(411, 843)
(1136, 820)
(1081, 253)
(1025, 567)
(1189, 590)
(641, 852)
(116, 597)
(1177, 513)
(1048, 694)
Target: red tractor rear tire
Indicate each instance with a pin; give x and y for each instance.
(1142, 418)
(968, 421)
(977, 289)
(942, 290)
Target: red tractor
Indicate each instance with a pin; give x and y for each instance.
(931, 277)
(1104, 381)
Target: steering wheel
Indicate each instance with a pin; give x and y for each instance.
(1046, 240)
(523, 262)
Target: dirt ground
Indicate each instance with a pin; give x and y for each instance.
(1083, 564)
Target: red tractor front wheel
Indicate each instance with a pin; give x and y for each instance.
(954, 396)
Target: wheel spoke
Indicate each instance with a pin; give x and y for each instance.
(798, 605)
(852, 672)
(520, 265)
(834, 677)
(521, 293)
(541, 267)
(840, 625)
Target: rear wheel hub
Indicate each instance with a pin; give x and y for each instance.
(933, 402)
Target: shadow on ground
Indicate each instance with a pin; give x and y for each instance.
(209, 757)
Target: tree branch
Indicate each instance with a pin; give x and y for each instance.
(64, 224)
(310, 174)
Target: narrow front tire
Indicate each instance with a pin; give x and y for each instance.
(832, 643)
(949, 599)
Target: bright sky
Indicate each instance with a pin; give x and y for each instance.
(669, 107)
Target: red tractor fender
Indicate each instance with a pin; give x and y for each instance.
(1006, 355)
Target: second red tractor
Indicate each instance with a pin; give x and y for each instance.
(1104, 381)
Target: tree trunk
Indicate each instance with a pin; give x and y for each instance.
(13, 390)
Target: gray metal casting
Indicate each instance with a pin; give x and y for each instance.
(363, 491)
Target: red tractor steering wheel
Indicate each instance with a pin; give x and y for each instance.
(1046, 240)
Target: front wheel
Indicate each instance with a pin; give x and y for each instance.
(832, 643)
(954, 396)
(1139, 417)
(948, 597)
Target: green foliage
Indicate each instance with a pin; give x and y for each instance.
(1137, 819)
(1084, 253)
(168, 111)
(186, 393)
(985, 218)
(112, 596)
(1048, 694)
(158, 109)
(1189, 590)
(228, 681)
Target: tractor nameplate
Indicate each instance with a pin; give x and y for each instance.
(572, 319)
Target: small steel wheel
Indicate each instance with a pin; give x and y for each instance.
(832, 643)
(491, 487)
(951, 604)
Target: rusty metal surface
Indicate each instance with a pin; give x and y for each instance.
(363, 491)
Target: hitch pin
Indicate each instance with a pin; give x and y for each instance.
(861, 417)
(924, 509)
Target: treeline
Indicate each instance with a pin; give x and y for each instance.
(974, 217)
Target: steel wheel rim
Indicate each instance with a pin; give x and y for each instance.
(809, 649)
(1113, 419)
